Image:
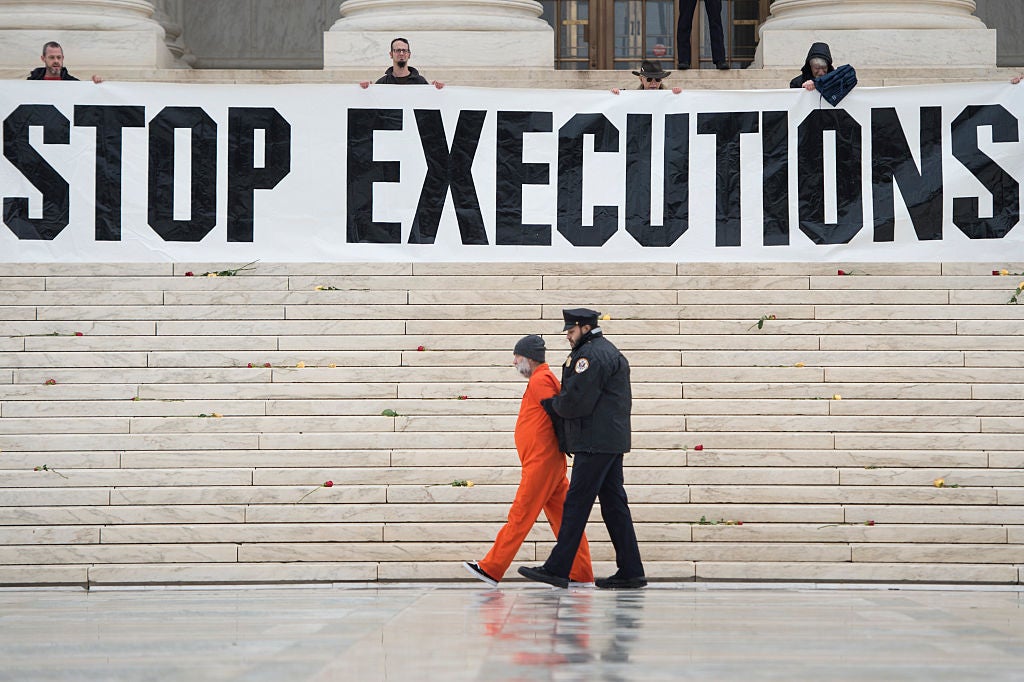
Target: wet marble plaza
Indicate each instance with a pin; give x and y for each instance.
(516, 632)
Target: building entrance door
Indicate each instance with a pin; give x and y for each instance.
(618, 34)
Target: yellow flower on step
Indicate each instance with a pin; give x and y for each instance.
(1004, 272)
(217, 415)
(319, 287)
(606, 316)
(469, 484)
(300, 364)
(799, 364)
(837, 397)
(332, 365)
(211, 274)
(939, 482)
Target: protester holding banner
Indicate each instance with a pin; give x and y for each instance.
(651, 76)
(53, 68)
(400, 73)
(819, 62)
(543, 483)
(594, 405)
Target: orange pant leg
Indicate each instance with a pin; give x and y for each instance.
(582, 570)
(535, 489)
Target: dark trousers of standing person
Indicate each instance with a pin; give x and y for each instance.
(596, 476)
(687, 8)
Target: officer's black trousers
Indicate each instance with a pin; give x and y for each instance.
(596, 476)
(683, 30)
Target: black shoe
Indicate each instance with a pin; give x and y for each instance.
(723, 66)
(617, 582)
(479, 573)
(542, 575)
(683, 66)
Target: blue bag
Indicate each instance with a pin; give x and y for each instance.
(836, 85)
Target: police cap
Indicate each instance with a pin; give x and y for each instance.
(579, 316)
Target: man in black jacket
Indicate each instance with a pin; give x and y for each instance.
(400, 73)
(594, 407)
(54, 69)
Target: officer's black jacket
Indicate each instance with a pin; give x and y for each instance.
(596, 399)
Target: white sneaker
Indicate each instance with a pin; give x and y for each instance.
(478, 573)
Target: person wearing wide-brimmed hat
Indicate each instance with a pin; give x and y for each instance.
(651, 76)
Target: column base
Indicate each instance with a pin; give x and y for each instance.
(880, 47)
(346, 49)
(87, 49)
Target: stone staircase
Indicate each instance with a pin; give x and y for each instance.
(147, 450)
(693, 79)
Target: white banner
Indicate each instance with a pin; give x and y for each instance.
(121, 172)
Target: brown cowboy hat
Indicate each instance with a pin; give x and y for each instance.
(650, 69)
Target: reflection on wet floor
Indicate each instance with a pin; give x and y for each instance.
(516, 632)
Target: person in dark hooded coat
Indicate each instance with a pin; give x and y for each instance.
(819, 62)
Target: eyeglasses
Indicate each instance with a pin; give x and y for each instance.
(653, 80)
(400, 51)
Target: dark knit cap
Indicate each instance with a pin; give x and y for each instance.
(531, 347)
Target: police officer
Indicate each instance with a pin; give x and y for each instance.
(594, 406)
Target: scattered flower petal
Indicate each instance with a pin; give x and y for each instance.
(840, 272)
(318, 287)
(267, 364)
(869, 522)
(463, 397)
(211, 274)
(217, 415)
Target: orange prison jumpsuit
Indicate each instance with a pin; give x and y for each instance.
(543, 483)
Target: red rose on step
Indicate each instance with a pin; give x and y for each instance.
(328, 484)
(840, 272)
(249, 365)
(698, 448)
(79, 334)
(266, 364)
(421, 348)
(190, 274)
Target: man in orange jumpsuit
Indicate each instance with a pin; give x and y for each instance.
(543, 483)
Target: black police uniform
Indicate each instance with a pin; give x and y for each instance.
(594, 406)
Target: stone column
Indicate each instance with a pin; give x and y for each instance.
(94, 33)
(442, 33)
(892, 33)
(168, 14)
